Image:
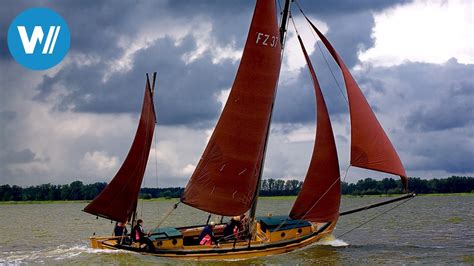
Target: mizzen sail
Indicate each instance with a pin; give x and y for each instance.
(370, 146)
(225, 179)
(119, 199)
(320, 195)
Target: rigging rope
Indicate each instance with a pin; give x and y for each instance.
(294, 25)
(170, 211)
(322, 53)
(156, 145)
(375, 217)
(279, 6)
(347, 171)
(332, 73)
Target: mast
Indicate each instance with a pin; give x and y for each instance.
(283, 27)
(284, 22)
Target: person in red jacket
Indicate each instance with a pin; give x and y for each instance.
(207, 235)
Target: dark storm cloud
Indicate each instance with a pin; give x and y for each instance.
(426, 107)
(232, 16)
(429, 109)
(452, 84)
(6, 116)
(453, 111)
(339, 15)
(347, 37)
(96, 26)
(433, 105)
(23, 156)
(296, 102)
(297, 99)
(187, 91)
(8, 11)
(78, 16)
(446, 151)
(13, 157)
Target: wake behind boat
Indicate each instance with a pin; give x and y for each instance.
(227, 178)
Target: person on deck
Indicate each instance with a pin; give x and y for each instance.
(207, 235)
(138, 235)
(231, 230)
(120, 229)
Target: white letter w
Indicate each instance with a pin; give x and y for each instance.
(37, 36)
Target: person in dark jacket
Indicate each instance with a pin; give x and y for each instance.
(231, 229)
(138, 235)
(207, 235)
(120, 229)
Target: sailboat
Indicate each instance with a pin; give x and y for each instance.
(227, 178)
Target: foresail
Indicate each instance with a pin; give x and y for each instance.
(320, 195)
(225, 179)
(370, 146)
(118, 200)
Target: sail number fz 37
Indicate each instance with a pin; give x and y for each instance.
(266, 39)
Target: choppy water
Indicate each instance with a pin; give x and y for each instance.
(426, 230)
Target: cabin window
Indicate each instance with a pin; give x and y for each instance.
(300, 230)
(283, 234)
(174, 241)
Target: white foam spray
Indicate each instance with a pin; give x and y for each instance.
(61, 252)
(330, 240)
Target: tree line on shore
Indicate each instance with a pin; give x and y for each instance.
(269, 187)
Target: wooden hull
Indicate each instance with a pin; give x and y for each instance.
(241, 250)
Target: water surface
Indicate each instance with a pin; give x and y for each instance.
(425, 230)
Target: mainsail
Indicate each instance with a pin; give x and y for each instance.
(370, 146)
(225, 179)
(319, 198)
(119, 199)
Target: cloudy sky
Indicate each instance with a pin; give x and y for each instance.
(414, 60)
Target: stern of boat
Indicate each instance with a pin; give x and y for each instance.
(94, 242)
(106, 242)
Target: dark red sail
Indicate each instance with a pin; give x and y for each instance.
(370, 146)
(225, 179)
(118, 200)
(320, 195)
